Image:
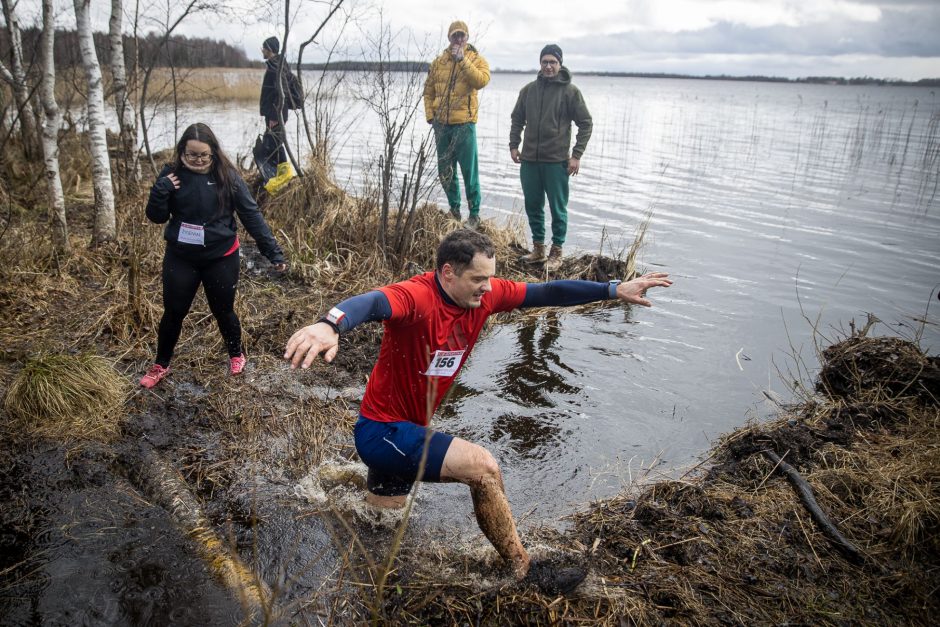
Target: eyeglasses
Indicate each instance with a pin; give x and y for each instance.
(202, 156)
(550, 63)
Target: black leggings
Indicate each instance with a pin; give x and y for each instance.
(181, 279)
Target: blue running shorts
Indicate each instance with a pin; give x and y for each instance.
(392, 451)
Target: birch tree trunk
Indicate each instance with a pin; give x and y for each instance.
(50, 130)
(126, 114)
(20, 88)
(105, 223)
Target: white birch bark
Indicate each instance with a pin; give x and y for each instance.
(126, 114)
(20, 88)
(105, 224)
(50, 130)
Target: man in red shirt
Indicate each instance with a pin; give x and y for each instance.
(431, 323)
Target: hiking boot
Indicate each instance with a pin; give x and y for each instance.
(237, 364)
(154, 376)
(554, 258)
(536, 256)
(554, 580)
(455, 213)
(473, 222)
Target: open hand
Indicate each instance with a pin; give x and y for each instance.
(634, 291)
(304, 345)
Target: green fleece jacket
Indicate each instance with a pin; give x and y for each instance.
(545, 109)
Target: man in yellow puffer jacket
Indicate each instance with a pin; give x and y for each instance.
(450, 104)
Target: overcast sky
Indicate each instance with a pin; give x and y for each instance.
(789, 38)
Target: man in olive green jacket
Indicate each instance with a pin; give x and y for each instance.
(545, 109)
(450, 104)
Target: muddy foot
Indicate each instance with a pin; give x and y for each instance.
(553, 579)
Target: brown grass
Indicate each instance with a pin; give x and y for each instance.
(209, 84)
(67, 397)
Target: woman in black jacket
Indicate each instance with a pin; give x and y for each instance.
(197, 196)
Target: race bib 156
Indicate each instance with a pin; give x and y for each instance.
(444, 363)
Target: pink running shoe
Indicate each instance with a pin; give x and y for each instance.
(154, 376)
(237, 364)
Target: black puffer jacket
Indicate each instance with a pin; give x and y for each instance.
(270, 96)
(197, 202)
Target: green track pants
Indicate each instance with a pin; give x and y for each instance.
(539, 180)
(457, 144)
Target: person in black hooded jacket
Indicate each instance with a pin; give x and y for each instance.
(273, 107)
(197, 197)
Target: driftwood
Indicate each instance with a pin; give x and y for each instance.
(805, 492)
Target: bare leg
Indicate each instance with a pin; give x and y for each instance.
(385, 502)
(474, 465)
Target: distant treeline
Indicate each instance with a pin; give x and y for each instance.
(180, 51)
(193, 52)
(419, 66)
(363, 66)
(821, 80)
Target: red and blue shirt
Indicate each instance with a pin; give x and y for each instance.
(427, 340)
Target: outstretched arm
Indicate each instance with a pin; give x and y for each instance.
(567, 293)
(323, 336)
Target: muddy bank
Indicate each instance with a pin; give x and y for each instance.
(734, 543)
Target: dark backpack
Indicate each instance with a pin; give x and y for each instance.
(293, 92)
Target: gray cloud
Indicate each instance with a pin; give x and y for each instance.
(899, 33)
(899, 3)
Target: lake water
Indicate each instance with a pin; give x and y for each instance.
(782, 212)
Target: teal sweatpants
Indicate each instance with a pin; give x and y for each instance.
(539, 180)
(457, 144)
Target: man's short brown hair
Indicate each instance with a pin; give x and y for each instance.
(460, 247)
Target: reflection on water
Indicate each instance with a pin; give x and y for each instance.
(538, 371)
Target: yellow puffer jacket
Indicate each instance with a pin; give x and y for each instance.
(450, 93)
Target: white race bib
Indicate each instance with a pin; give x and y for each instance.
(192, 234)
(444, 363)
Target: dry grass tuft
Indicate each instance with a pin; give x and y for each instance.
(67, 397)
(884, 366)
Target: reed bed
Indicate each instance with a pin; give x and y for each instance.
(195, 85)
